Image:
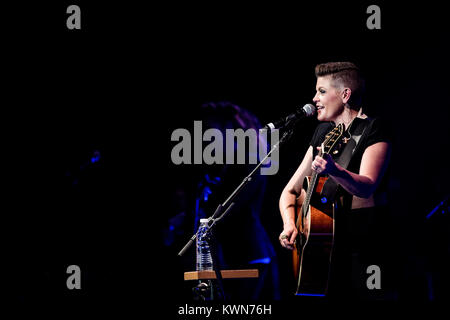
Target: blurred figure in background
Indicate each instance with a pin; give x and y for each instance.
(242, 241)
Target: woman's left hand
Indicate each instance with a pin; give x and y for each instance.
(324, 165)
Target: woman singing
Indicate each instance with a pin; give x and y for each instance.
(361, 184)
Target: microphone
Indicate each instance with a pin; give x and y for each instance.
(307, 110)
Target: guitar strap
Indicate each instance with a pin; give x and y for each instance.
(358, 133)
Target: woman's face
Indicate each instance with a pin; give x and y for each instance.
(328, 100)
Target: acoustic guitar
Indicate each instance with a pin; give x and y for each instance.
(315, 223)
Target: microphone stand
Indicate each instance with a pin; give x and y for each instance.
(224, 208)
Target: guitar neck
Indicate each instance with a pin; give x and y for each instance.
(331, 140)
(309, 192)
(311, 187)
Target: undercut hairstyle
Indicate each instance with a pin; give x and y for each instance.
(344, 74)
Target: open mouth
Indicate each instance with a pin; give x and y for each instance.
(320, 108)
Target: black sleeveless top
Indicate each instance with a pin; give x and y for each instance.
(357, 241)
(377, 131)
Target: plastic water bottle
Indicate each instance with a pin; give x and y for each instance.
(204, 260)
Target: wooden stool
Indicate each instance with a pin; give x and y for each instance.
(203, 289)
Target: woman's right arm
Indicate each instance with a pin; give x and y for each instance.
(289, 197)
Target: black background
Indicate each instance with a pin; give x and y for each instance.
(132, 75)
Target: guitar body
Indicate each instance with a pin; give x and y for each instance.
(314, 243)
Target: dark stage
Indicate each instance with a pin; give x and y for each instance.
(89, 115)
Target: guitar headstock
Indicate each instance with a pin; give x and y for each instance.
(333, 140)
